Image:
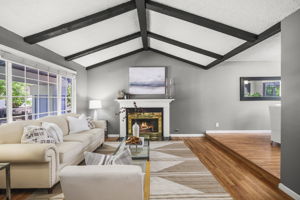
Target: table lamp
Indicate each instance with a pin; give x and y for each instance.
(94, 105)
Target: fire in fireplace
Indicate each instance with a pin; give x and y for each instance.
(150, 122)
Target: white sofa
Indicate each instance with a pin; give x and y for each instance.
(38, 165)
(275, 117)
(124, 182)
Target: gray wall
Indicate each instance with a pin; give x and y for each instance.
(203, 97)
(290, 137)
(15, 41)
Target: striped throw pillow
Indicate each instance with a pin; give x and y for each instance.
(97, 159)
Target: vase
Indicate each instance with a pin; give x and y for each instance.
(170, 90)
(135, 130)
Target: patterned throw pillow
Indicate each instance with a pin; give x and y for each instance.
(91, 123)
(53, 131)
(97, 159)
(36, 134)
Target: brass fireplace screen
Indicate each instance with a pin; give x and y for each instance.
(150, 123)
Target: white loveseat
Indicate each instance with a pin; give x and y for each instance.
(38, 165)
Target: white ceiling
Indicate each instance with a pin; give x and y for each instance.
(27, 17)
(94, 35)
(268, 50)
(250, 15)
(191, 34)
(180, 52)
(111, 52)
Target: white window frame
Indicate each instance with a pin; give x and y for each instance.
(9, 76)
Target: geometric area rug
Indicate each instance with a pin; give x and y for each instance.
(176, 173)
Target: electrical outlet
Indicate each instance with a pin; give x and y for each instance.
(217, 124)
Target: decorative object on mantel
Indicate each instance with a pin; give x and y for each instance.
(94, 105)
(122, 94)
(170, 90)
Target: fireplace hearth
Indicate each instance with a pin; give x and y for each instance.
(150, 122)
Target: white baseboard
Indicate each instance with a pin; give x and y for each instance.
(289, 192)
(187, 135)
(238, 131)
(113, 135)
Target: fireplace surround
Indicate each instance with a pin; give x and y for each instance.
(163, 104)
(150, 122)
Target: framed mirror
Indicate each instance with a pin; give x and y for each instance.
(260, 88)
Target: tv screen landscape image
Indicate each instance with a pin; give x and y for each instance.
(147, 80)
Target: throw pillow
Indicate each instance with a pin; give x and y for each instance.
(54, 131)
(36, 134)
(91, 123)
(97, 159)
(123, 158)
(79, 124)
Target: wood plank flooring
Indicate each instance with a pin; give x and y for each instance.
(254, 147)
(236, 177)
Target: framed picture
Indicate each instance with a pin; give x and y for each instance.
(147, 80)
(260, 88)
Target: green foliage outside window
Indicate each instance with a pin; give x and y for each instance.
(69, 95)
(19, 89)
(2, 88)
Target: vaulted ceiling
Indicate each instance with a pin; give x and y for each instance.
(203, 33)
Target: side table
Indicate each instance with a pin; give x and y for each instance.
(6, 166)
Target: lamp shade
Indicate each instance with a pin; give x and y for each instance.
(95, 104)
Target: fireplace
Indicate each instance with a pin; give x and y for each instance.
(150, 122)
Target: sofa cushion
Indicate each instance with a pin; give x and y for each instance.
(12, 133)
(60, 121)
(97, 133)
(69, 151)
(85, 139)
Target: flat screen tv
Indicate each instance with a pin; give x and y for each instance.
(147, 80)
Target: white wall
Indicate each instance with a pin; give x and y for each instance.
(203, 97)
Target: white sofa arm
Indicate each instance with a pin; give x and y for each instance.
(101, 124)
(102, 182)
(24, 153)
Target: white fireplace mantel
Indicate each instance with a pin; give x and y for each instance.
(146, 103)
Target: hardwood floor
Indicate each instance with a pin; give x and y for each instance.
(236, 177)
(255, 147)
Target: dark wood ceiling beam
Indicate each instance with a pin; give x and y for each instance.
(185, 46)
(103, 46)
(114, 59)
(80, 23)
(141, 10)
(178, 58)
(195, 19)
(261, 37)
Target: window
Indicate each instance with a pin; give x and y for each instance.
(34, 93)
(3, 92)
(66, 95)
